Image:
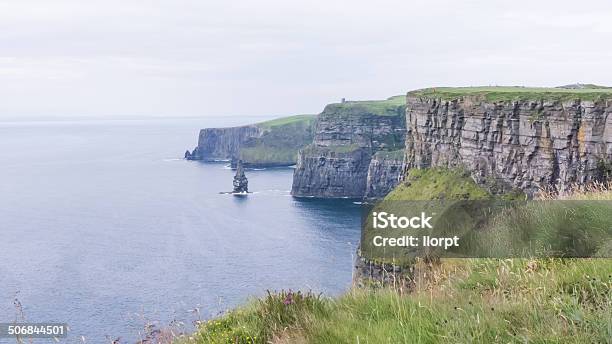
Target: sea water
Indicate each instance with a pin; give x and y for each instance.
(105, 227)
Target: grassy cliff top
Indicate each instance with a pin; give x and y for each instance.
(437, 183)
(280, 141)
(509, 93)
(387, 107)
(297, 119)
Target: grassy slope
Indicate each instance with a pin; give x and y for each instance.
(502, 93)
(284, 137)
(437, 183)
(281, 141)
(387, 107)
(456, 300)
(286, 120)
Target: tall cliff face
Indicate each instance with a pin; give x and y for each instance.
(331, 173)
(384, 172)
(358, 125)
(525, 144)
(338, 163)
(225, 143)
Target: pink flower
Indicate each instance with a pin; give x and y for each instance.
(289, 299)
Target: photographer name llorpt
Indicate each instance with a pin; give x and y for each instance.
(412, 241)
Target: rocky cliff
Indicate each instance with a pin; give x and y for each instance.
(347, 135)
(223, 143)
(384, 172)
(266, 144)
(525, 139)
(326, 172)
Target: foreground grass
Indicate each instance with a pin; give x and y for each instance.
(458, 301)
(451, 301)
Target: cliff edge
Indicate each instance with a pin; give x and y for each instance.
(341, 161)
(267, 144)
(512, 137)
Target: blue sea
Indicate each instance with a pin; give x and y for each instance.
(105, 227)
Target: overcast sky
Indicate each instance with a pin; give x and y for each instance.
(281, 57)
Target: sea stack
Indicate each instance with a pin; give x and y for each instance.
(241, 183)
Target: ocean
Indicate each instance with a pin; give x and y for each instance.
(105, 227)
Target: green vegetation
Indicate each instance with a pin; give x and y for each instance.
(490, 228)
(262, 155)
(302, 119)
(449, 301)
(392, 106)
(437, 183)
(502, 93)
(456, 301)
(280, 142)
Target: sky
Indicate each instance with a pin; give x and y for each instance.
(71, 58)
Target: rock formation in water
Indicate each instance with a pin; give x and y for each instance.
(192, 155)
(339, 161)
(526, 144)
(241, 183)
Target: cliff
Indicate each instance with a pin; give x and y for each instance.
(512, 137)
(506, 137)
(347, 136)
(384, 173)
(266, 144)
(223, 143)
(331, 172)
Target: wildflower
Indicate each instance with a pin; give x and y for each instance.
(289, 299)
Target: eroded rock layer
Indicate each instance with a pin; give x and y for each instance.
(338, 163)
(516, 144)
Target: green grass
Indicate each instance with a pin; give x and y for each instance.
(456, 301)
(437, 183)
(510, 227)
(305, 119)
(503, 93)
(451, 301)
(393, 106)
(280, 142)
(262, 155)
